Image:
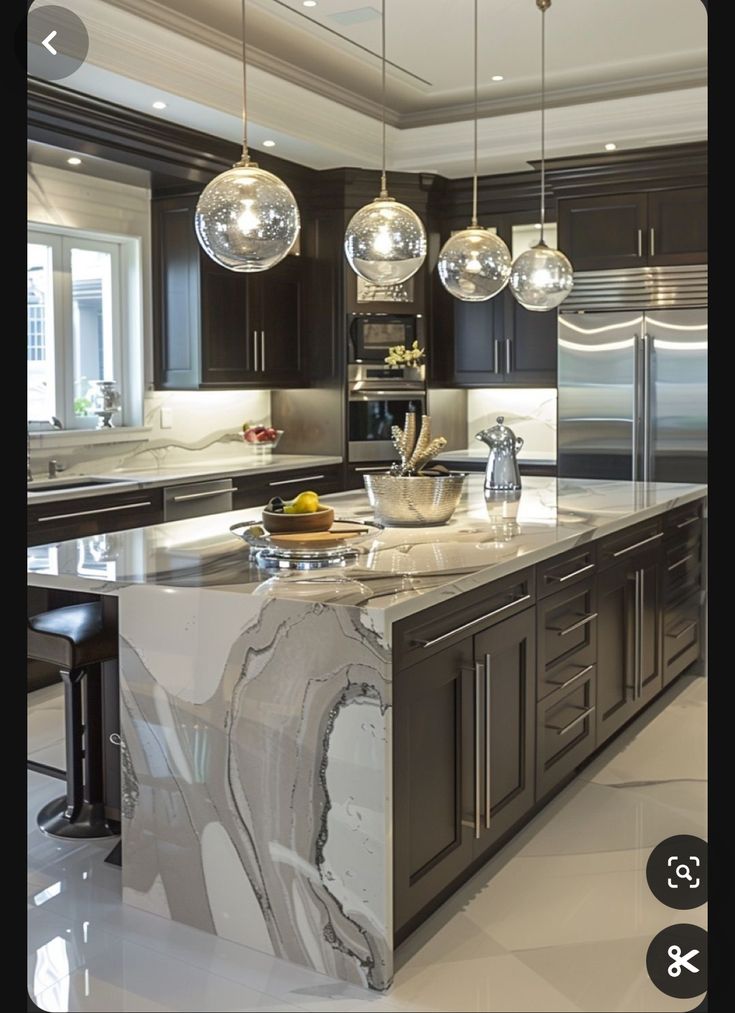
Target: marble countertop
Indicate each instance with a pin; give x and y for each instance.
(479, 453)
(398, 572)
(252, 463)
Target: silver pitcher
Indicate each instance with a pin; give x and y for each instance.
(502, 466)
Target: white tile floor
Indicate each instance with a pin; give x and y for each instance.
(560, 920)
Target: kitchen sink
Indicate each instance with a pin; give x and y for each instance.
(82, 482)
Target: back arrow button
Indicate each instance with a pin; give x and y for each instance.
(47, 43)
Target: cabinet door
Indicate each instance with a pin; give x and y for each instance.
(228, 342)
(433, 778)
(276, 300)
(615, 662)
(598, 233)
(529, 348)
(176, 323)
(677, 226)
(650, 678)
(506, 655)
(478, 342)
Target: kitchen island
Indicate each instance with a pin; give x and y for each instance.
(312, 761)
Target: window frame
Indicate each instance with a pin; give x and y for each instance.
(61, 242)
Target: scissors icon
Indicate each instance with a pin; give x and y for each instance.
(678, 961)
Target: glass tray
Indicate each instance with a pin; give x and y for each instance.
(268, 554)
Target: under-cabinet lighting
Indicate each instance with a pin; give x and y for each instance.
(74, 161)
(497, 77)
(269, 144)
(610, 146)
(159, 105)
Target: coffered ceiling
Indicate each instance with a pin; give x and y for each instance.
(632, 72)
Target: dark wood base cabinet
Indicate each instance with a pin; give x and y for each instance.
(502, 694)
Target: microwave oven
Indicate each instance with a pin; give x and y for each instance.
(372, 334)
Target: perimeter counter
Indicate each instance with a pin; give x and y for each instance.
(312, 761)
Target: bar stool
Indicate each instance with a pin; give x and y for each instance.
(76, 640)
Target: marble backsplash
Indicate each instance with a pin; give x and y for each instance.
(530, 413)
(203, 424)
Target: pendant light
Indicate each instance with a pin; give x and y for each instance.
(474, 264)
(541, 278)
(385, 241)
(246, 219)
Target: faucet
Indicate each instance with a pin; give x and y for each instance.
(54, 468)
(57, 424)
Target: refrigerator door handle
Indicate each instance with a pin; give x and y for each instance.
(636, 413)
(646, 407)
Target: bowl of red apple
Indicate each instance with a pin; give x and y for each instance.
(261, 437)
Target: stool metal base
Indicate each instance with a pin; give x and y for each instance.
(91, 823)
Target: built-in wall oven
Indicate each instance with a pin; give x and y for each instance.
(379, 398)
(372, 334)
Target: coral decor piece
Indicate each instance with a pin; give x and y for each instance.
(415, 453)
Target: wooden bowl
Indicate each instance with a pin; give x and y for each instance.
(293, 524)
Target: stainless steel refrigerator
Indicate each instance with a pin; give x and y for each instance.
(633, 395)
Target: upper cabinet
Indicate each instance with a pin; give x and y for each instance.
(216, 328)
(659, 228)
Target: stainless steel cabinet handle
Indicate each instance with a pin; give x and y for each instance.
(641, 620)
(575, 626)
(646, 407)
(679, 562)
(636, 633)
(292, 481)
(686, 629)
(568, 682)
(575, 721)
(652, 242)
(568, 576)
(379, 467)
(201, 495)
(255, 351)
(496, 357)
(478, 736)
(262, 351)
(636, 386)
(690, 520)
(640, 242)
(487, 741)
(90, 513)
(629, 548)
(508, 344)
(474, 622)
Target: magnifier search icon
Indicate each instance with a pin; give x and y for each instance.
(685, 874)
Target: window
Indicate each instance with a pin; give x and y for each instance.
(74, 321)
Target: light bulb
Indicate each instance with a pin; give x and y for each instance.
(541, 278)
(247, 219)
(385, 242)
(474, 264)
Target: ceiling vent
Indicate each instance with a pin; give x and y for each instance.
(358, 16)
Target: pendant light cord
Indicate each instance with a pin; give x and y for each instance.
(245, 152)
(383, 183)
(474, 169)
(543, 120)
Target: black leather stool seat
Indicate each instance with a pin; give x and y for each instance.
(71, 637)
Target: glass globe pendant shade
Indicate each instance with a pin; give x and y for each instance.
(385, 242)
(247, 219)
(474, 264)
(541, 278)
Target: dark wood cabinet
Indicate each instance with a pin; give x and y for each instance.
(256, 490)
(220, 329)
(93, 515)
(634, 229)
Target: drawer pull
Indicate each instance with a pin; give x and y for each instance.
(474, 622)
(690, 520)
(562, 631)
(568, 576)
(91, 513)
(202, 495)
(583, 671)
(629, 548)
(680, 562)
(575, 721)
(292, 481)
(686, 629)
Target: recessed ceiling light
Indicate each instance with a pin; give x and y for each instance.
(497, 77)
(610, 146)
(269, 144)
(74, 160)
(159, 105)
(309, 3)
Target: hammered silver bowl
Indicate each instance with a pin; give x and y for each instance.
(418, 501)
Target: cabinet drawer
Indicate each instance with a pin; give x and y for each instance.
(682, 634)
(419, 637)
(564, 571)
(92, 515)
(619, 547)
(566, 637)
(682, 569)
(684, 525)
(256, 490)
(565, 733)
